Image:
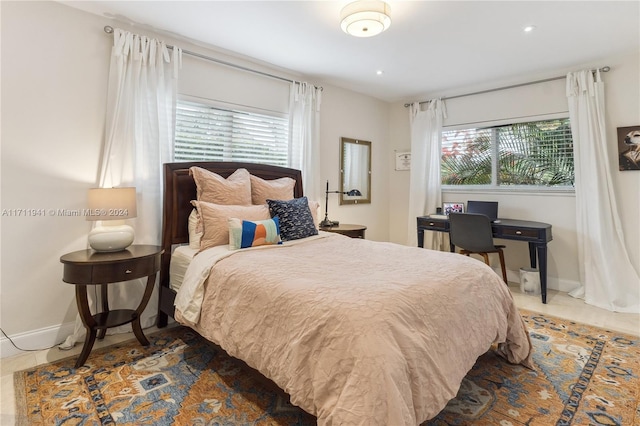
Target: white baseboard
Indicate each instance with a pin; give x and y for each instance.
(565, 286)
(49, 337)
(40, 339)
(553, 283)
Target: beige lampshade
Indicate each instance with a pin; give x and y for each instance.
(112, 203)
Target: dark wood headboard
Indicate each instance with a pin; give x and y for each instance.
(180, 189)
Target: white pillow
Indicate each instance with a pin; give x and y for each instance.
(314, 206)
(195, 230)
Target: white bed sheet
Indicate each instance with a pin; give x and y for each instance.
(180, 260)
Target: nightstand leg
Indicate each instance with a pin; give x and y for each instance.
(88, 321)
(104, 296)
(86, 349)
(135, 325)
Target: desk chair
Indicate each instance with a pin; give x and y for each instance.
(472, 233)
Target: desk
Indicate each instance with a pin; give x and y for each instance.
(537, 234)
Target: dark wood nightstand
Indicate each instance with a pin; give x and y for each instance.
(88, 267)
(353, 231)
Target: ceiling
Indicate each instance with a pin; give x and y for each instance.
(432, 47)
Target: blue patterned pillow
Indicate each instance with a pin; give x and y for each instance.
(247, 233)
(295, 218)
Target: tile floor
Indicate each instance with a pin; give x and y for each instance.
(558, 304)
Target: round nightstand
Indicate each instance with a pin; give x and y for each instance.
(353, 231)
(88, 267)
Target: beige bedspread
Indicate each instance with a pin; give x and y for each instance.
(360, 332)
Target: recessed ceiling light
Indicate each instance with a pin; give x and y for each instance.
(529, 28)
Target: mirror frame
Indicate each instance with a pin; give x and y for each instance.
(365, 198)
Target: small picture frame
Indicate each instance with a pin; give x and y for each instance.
(403, 160)
(629, 148)
(452, 208)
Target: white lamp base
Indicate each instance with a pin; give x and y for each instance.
(111, 237)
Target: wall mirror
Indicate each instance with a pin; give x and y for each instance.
(355, 171)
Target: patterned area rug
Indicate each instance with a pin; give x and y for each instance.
(584, 376)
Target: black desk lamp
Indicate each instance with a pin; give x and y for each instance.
(326, 223)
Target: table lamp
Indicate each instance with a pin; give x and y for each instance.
(326, 223)
(111, 206)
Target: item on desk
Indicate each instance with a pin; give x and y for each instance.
(438, 216)
(487, 208)
(452, 208)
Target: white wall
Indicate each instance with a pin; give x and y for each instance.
(351, 115)
(53, 96)
(623, 109)
(622, 101)
(55, 62)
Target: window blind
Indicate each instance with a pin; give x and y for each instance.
(205, 132)
(537, 153)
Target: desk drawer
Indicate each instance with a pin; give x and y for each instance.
(434, 224)
(124, 271)
(519, 232)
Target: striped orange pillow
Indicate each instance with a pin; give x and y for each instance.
(247, 233)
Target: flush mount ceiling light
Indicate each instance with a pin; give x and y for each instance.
(365, 18)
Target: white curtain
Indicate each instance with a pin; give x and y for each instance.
(304, 127)
(608, 277)
(140, 118)
(424, 187)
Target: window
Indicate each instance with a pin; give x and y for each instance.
(531, 154)
(208, 133)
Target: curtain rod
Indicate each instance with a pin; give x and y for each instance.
(109, 29)
(603, 69)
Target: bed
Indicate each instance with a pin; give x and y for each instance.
(357, 332)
